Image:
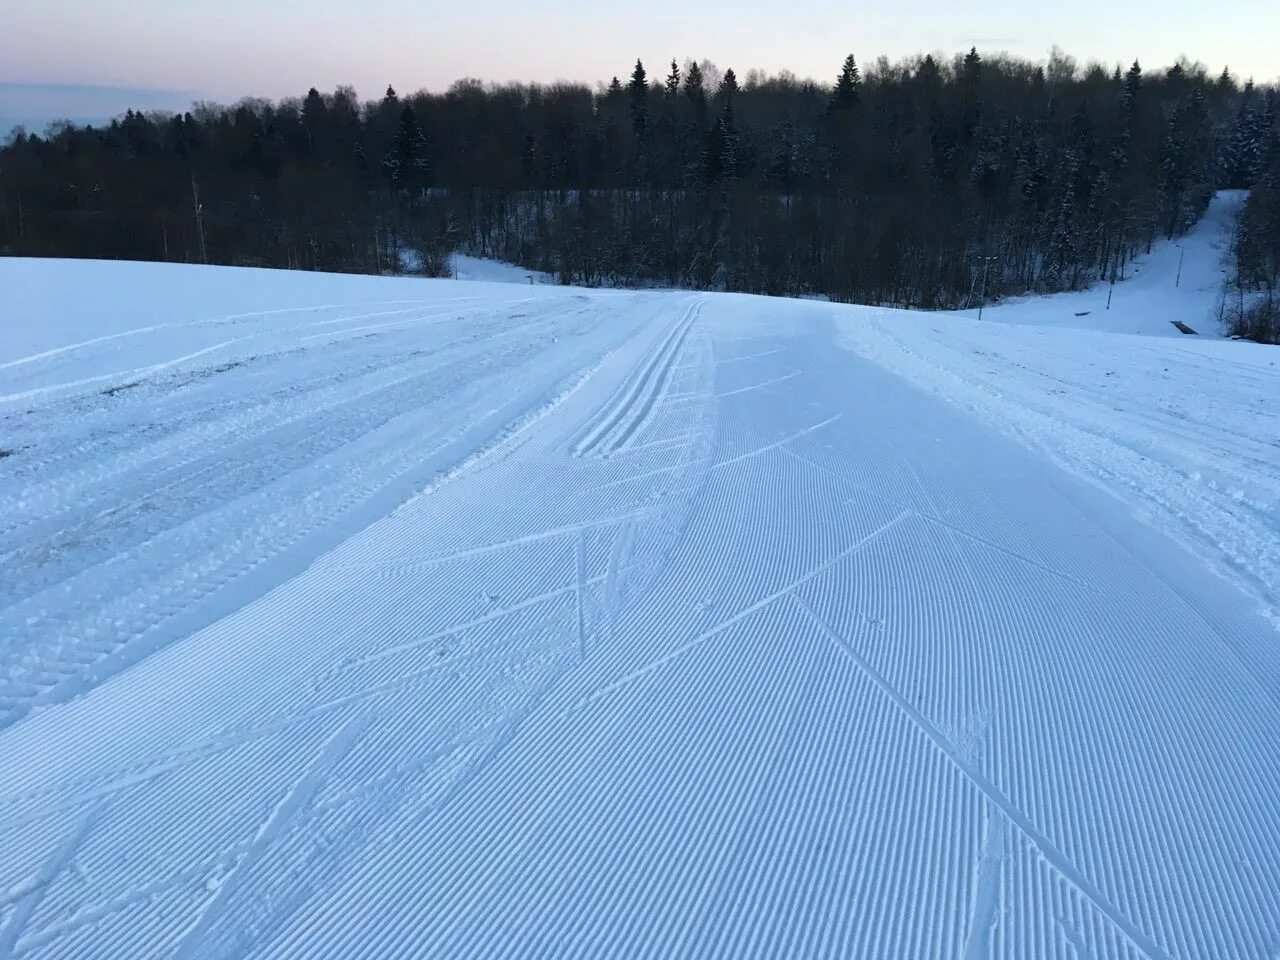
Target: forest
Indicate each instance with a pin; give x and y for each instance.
(925, 183)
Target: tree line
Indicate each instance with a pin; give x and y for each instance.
(1255, 312)
(922, 183)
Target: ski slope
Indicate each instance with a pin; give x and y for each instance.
(1179, 281)
(361, 617)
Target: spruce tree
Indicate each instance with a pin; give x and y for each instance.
(672, 86)
(697, 95)
(720, 159)
(313, 115)
(1132, 86)
(844, 96)
(407, 165)
(929, 75)
(638, 94)
(729, 85)
(1242, 155)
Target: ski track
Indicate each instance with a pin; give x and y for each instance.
(629, 412)
(635, 625)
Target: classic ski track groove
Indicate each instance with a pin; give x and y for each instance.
(629, 411)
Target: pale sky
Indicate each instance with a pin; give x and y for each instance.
(225, 49)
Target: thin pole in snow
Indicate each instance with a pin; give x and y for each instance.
(199, 211)
(983, 301)
(1181, 253)
(1115, 263)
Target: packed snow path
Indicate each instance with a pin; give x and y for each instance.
(545, 623)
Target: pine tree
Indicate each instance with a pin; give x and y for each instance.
(672, 86)
(1061, 252)
(313, 117)
(929, 75)
(728, 86)
(697, 95)
(714, 150)
(638, 94)
(720, 160)
(787, 165)
(1172, 171)
(844, 95)
(1132, 86)
(1242, 156)
(408, 165)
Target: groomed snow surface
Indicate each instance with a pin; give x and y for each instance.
(358, 617)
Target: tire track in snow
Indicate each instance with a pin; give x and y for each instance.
(70, 795)
(233, 318)
(53, 681)
(494, 547)
(71, 347)
(136, 374)
(285, 443)
(758, 386)
(201, 751)
(288, 401)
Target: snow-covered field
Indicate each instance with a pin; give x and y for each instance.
(347, 616)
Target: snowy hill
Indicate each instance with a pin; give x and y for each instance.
(495, 271)
(348, 616)
(1177, 281)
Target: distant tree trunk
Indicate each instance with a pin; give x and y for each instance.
(199, 211)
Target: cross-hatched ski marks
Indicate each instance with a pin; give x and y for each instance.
(682, 633)
(1068, 870)
(292, 804)
(28, 896)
